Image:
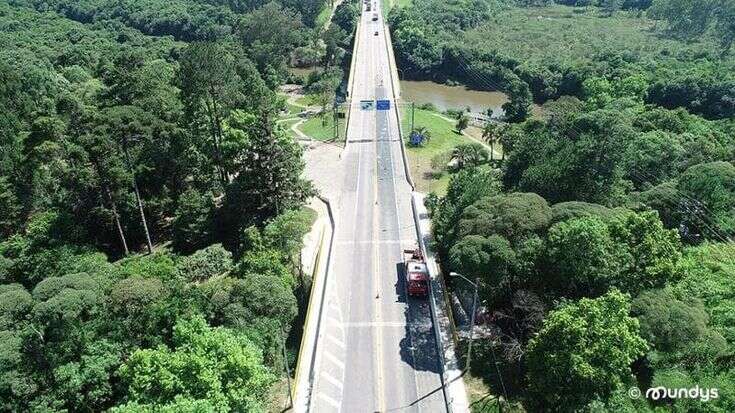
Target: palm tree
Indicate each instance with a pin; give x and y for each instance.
(471, 154)
(423, 133)
(490, 136)
(462, 122)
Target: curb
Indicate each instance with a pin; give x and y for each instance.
(432, 303)
(453, 387)
(351, 78)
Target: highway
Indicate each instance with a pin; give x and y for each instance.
(376, 350)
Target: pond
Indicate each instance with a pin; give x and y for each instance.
(452, 97)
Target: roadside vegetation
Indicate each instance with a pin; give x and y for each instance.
(539, 53)
(152, 209)
(603, 241)
(431, 160)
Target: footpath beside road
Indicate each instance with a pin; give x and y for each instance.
(455, 391)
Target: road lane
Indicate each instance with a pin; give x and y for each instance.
(387, 360)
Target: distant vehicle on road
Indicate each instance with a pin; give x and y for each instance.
(376, 33)
(417, 274)
(375, 17)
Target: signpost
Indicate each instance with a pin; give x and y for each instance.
(383, 104)
(367, 104)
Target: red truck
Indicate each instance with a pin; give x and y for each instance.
(417, 274)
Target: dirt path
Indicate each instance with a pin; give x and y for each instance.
(331, 14)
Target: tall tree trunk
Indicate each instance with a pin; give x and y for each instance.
(492, 151)
(117, 220)
(115, 214)
(149, 244)
(217, 137)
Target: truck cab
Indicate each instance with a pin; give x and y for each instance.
(417, 274)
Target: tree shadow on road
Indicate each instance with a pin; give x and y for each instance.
(418, 346)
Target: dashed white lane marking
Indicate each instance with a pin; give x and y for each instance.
(380, 324)
(384, 241)
(332, 380)
(336, 341)
(329, 400)
(335, 360)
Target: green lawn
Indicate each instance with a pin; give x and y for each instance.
(286, 125)
(321, 129)
(306, 100)
(443, 139)
(291, 110)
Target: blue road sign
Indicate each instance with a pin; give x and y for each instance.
(383, 105)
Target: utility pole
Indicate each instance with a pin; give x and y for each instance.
(413, 112)
(149, 244)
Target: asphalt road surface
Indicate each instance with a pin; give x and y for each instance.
(376, 350)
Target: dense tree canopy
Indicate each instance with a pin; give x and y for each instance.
(616, 202)
(584, 350)
(124, 121)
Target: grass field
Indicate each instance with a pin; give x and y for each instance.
(321, 129)
(561, 35)
(443, 139)
(306, 100)
(323, 16)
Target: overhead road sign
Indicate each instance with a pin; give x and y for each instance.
(367, 104)
(383, 105)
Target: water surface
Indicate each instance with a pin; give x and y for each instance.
(452, 97)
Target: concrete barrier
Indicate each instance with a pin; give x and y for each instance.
(351, 76)
(304, 374)
(455, 394)
(396, 95)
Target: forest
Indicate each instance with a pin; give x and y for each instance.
(602, 243)
(151, 210)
